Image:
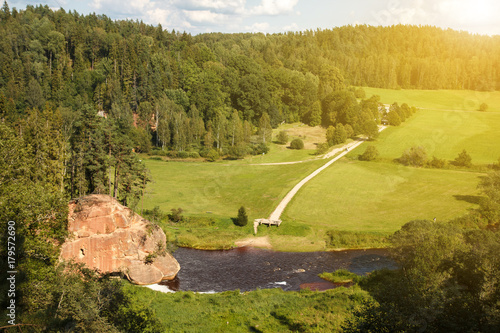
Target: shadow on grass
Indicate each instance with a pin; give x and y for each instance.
(473, 199)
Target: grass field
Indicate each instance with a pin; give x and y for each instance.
(374, 198)
(219, 189)
(380, 197)
(465, 100)
(444, 134)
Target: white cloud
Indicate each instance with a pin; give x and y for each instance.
(219, 6)
(258, 27)
(292, 27)
(206, 16)
(274, 7)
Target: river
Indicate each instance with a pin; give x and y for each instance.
(250, 268)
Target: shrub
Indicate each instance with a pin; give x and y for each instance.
(437, 163)
(297, 144)
(321, 149)
(415, 156)
(154, 215)
(483, 107)
(242, 218)
(183, 154)
(194, 154)
(176, 215)
(370, 154)
(212, 155)
(463, 159)
(258, 149)
(237, 152)
(282, 138)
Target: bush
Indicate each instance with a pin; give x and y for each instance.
(322, 148)
(176, 215)
(370, 154)
(212, 155)
(237, 152)
(437, 163)
(415, 156)
(183, 154)
(258, 149)
(282, 138)
(297, 144)
(194, 154)
(463, 159)
(242, 218)
(483, 107)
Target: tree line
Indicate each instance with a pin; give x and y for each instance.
(185, 92)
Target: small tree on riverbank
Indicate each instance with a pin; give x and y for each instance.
(242, 218)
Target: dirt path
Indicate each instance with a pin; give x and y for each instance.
(344, 150)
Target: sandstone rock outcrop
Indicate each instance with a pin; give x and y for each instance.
(112, 238)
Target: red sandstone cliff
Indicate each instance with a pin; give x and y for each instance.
(112, 238)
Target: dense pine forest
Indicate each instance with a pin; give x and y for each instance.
(80, 95)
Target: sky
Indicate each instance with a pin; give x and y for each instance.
(273, 16)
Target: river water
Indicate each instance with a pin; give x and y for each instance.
(249, 268)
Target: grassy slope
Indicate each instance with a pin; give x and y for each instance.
(445, 134)
(465, 100)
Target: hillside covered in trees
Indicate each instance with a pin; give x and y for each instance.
(213, 89)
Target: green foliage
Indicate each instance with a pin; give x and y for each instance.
(370, 129)
(271, 310)
(370, 154)
(463, 159)
(360, 93)
(242, 219)
(282, 138)
(490, 205)
(297, 144)
(483, 107)
(176, 215)
(415, 156)
(393, 118)
(349, 239)
(341, 276)
(437, 163)
(446, 282)
(155, 215)
(212, 155)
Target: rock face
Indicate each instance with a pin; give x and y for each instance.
(112, 238)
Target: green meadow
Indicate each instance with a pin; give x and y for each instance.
(444, 134)
(219, 189)
(360, 198)
(381, 197)
(463, 100)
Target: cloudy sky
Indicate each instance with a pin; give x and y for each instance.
(199, 16)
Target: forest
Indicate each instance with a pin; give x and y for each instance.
(80, 95)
